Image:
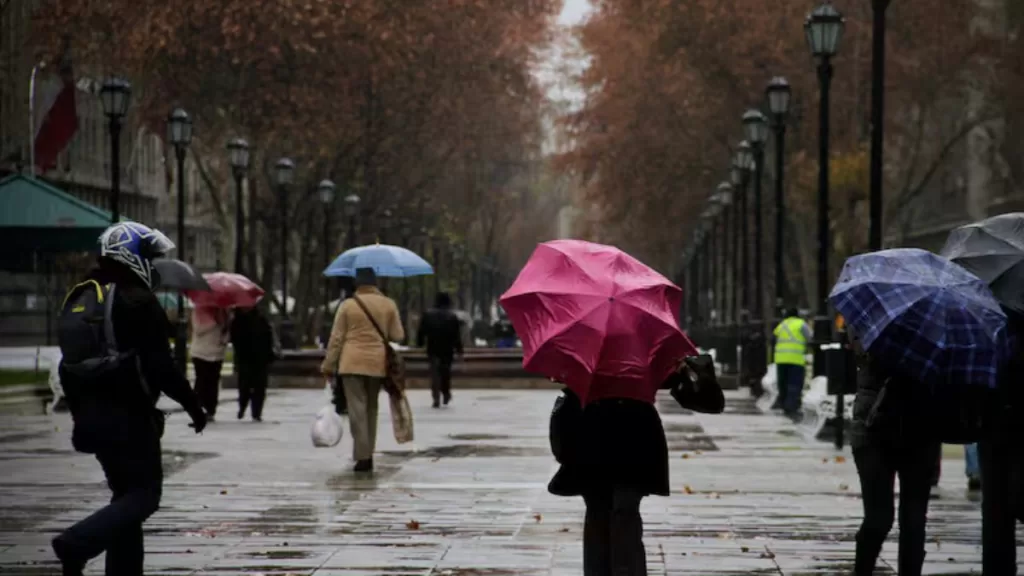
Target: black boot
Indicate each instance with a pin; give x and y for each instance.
(364, 466)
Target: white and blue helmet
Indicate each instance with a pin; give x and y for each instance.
(135, 246)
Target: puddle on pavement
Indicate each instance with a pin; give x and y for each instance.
(175, 461)
(683, 428)
(21, 437)
(279, 554)
(478, 437)
(471, 451)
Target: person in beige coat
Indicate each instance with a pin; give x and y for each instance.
(356, 352)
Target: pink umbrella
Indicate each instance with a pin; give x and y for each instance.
(597, 320)
(227, 290)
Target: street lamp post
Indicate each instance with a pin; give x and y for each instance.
(824, 30)
(736, 179)
(285, 173)
(723, 196)
(238, 157)
(878, 8)
(778, 93)
(179, 135)
(756, 127)
(351, 208)
(743, 162)
(405, 231)
(115, 95)
(326, 191)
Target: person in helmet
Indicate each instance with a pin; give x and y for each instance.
(115, 363)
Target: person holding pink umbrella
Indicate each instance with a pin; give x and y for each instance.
(603, 324)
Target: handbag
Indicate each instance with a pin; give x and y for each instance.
(401, 418)
(564, 428)
(696, 387)
(394, 376)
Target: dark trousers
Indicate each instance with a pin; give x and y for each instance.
(207, 384)
(339, 399)
(613, 535)
(878, 463)
(440, 377)
(252, 387)
(999, 452)
(790, 378)
(135, 476)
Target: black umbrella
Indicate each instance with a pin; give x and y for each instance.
(993, 250)
(178, 275)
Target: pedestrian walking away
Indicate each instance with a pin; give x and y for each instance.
(357, 352)
(252, 338)
(791, 338)
(210, 337)
(441, 332)
(116, 363)
(889, 439)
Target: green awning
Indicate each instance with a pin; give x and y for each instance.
(38, 217)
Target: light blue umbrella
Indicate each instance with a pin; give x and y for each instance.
(386, 261)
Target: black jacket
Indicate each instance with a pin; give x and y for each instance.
(252, 339)
(620, 444)
(441, 332)
(118, 409)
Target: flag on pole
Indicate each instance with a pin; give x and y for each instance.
(59, 118)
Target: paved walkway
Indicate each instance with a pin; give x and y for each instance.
(469, 498)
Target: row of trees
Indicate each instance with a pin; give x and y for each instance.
(669, 79)
(426, 108)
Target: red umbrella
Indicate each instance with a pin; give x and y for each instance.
(597, 320)
(227, 290)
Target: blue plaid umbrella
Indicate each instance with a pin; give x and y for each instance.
(934, 320)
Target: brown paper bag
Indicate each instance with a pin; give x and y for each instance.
(401, 418)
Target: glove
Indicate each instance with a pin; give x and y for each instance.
(198, 421)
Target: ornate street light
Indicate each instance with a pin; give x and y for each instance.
(238, 157)
(284, 173)
(115, 94)
(325, 193)
(824, 30)
(779, 95)
(179, 135)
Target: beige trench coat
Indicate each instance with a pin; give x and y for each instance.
(355, 346)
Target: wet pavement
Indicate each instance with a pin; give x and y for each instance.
(467, 499)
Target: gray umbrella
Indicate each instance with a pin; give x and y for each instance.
(993, 250)
(178, 275)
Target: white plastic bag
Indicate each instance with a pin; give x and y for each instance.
(327, 428)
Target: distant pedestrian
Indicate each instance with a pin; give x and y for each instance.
(441, 331)
(890, 437)
(356, 351)
(210, 336)
(791, 338)
(252, 338)
(115, 365)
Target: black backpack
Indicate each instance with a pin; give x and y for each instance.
(85, 334)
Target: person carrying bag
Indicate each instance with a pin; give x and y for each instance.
(362, 325)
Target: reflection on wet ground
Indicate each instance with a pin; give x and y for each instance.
(468, 498)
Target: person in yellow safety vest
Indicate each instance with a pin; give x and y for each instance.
(791, 337)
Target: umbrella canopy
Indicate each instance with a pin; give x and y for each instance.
(993, 250)
(938, 323)
(386, 261)
(227, 290)
(178, 275)
(597, 320)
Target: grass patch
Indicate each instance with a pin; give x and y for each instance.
(16, 377)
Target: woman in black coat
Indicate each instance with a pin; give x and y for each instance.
(613, 453)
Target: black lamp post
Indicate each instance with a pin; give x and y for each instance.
(423, 243)
(710, 225)
(723, 197)
(756, 127)
(115, 94)
(386, 221)
(405, 232)
(351, 208)
(778, 93)
(179, 134)
(326, 191)
(238, 157)
(878, 8)
(824, 29)
(736, 178)
(743, 162)
(284, 174)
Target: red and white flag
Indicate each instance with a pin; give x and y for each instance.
(55, 100)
